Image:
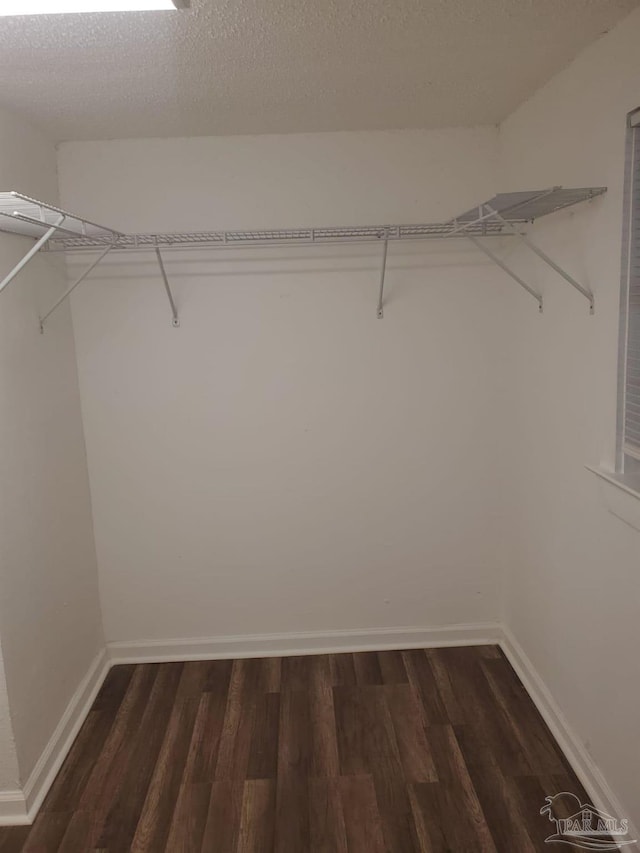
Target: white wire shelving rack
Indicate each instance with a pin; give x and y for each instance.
(506, 214)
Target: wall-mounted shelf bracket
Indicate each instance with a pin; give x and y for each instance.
(383, 270)
(585, 291)
(175, 322)
(499, 262)
(33, 251)
(70, 290)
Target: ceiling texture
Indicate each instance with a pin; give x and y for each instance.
(283, 66)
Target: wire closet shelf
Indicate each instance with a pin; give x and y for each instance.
(506, 214)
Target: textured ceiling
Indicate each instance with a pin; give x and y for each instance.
(279, 66)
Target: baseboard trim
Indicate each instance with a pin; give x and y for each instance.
(570, 743)
(320, 642)
(21, 807)
(13, 809)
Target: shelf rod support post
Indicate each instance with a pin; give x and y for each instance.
(543, 256)
(33, 251)
(175, 322)
(499, 262)
(70, 290)
(383, 270)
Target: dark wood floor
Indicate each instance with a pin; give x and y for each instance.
(437, 750)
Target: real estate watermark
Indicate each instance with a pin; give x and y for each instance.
(586, 826)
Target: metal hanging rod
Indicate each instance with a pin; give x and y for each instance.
(502, 216)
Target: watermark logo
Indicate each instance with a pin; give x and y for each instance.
(586, 826)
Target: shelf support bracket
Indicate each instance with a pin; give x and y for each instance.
(383, 270)
(33, 251)
(499, 262)
(175, 322)
(543, 256)
(70, 290)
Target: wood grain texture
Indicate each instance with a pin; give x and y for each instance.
(422, 751)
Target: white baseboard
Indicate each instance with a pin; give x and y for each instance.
(20, 807)
(568, 740)
(13, 809)
(318, 642)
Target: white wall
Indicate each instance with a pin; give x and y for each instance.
(572, 598)
(284, 461)
(50, 625)
(9, 774)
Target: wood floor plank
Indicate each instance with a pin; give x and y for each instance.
(13, 838)
(500, 801)
(478, 749)
(218, 676)
(47, 832)
(271, 674)
(327, 830)
(195, 676)
(489, 733)
(306, 672)
(343, 672)
(529, 796)
(422, 678)
(235, 739)
(155, 819)
(325, 762)
(453, 708)
(367, 668)
(557, 782)
(222, 828)
(368, 746)
(205, 739)
(263, 753)
(321, 672)
(363, 825)
(463, 822)
(119, 826)
(78, 833)
(295, 747)
(257, 821)
(452, 825)
(260, 676)
(492, 651)
(428, 818)
(350, 730)
(67, 790)
(294, 764)
(537, 789)
(409, 721)
(392, 667)
(292, 825)
(398, 826)
(189, 818)
(439, 751)
(543, 755)
(295, 673)
(107, 772)
(114, 688)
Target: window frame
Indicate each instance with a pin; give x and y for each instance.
(627, 463)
